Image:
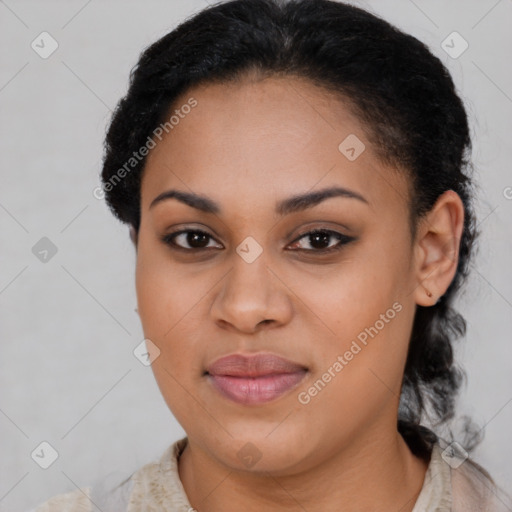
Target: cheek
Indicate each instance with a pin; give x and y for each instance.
(154, 297)
(360, 356)
(163, 294)
(168, 307)
(172, 307)
(364, 313)
(349, 298)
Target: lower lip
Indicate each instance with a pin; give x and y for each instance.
(256, 390)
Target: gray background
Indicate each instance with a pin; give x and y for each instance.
(68, 326)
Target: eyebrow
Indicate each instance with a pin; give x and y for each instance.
(284, 207)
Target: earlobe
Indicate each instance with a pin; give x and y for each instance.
(437, 253)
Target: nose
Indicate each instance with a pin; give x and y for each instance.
(252, 298)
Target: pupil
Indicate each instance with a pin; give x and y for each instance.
(197, 239)
(319, 240)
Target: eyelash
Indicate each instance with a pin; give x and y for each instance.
(168, 239)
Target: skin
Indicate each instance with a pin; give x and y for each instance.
(248, 145)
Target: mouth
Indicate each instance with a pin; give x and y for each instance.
(254, 379)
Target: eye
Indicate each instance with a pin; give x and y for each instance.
(321, 241)
(196, 239)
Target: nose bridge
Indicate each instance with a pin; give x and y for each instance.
(249, 266)
(248, 282)
(249, 294)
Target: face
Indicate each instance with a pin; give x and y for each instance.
(285, 245)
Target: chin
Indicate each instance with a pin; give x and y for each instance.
(258, 447)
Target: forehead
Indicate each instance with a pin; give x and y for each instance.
(268, 138)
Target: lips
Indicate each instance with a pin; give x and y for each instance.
(254, 379)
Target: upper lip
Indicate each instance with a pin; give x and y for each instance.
(253, 365)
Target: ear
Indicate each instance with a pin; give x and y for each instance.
(133, 235)
(437, 248)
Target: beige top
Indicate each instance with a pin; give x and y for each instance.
(448, 487)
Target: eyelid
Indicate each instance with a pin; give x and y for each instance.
(321, 226)
(317, 229)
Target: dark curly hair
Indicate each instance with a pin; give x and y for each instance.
(401, 92)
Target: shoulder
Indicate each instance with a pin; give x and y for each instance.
(76, 501)
(455, 483)
(154, 486)
(158, 485)
(473, 489)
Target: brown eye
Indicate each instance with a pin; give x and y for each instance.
(188, 240)
(322, 241)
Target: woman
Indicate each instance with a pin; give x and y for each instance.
(295, 178)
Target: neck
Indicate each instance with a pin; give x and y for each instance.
(372, 473)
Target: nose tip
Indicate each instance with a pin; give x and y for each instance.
(250, 299)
